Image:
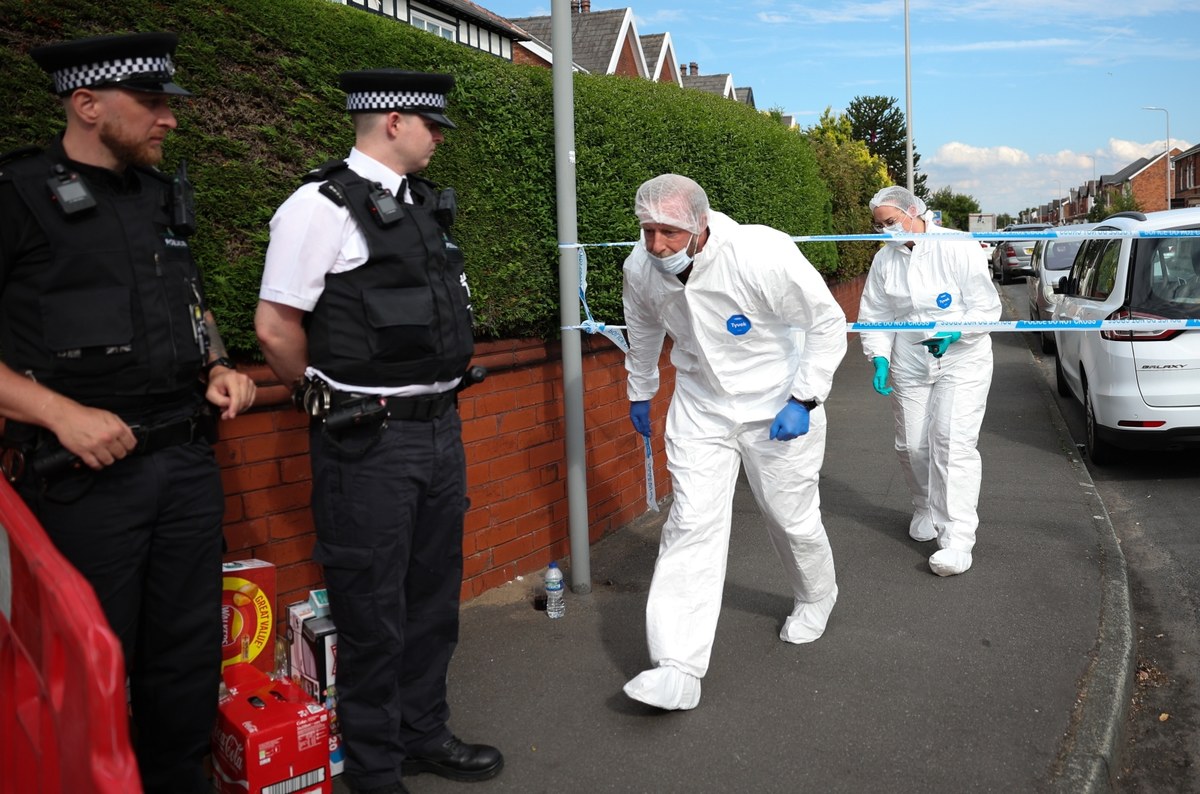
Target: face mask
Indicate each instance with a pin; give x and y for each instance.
(671, 265)
(896, 228)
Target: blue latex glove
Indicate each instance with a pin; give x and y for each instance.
(790, 423)
(881, 376)
(639, 414)
(937, 346)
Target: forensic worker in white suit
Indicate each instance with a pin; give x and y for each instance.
(732, 298)
(940, 383)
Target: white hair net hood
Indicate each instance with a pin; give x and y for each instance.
(672, 200)
(900, 198)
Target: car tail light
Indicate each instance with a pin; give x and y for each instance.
(1152, 335)
(1134, 423)
(1009, 250)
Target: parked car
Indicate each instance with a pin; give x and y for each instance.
(1011, 257)
(1140, 389)
(1050, 261)
(988, 247)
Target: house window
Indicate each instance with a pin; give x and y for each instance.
(434, 26)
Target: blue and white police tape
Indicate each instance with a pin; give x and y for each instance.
(947, 235)
(1002, 326)
(651, 493)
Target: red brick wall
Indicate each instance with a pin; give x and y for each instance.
(516, 463)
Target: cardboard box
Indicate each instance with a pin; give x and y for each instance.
(248, 614)
(312, 650)
(269, 734)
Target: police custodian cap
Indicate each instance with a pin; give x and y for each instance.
(135, 61)
(387, 90)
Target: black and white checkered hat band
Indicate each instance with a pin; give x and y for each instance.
(157, 68)
(416, 101)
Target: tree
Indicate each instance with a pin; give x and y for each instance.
(878, 122)
(956, 208)
(1004, 219)
(853, 175)
(1110, 202)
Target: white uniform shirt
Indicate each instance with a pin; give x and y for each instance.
(312, 237)
(935, 281)
(733, 324)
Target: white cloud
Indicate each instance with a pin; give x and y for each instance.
(974, 158)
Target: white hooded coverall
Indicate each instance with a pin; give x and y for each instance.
(737, 362)
(938, 403)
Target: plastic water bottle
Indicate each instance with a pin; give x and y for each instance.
(556, 606)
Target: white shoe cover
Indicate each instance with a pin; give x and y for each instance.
(921, 527)
(948, 562)
(665, 688)
(807, 621)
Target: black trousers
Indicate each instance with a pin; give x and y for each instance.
(389, 534)
(146, 533)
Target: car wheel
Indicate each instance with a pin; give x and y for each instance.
(1100, 452)
(1060, 379)
(1047, 341)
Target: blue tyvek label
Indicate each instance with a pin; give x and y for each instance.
(943, 300)
(738, 324)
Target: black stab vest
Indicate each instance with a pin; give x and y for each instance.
(403, 317)
(113, 319)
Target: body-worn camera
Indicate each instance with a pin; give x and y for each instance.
(69, 191)
(385, 208)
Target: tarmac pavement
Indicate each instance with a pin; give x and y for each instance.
(1012, 677)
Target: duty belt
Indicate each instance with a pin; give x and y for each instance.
(49, 458)
(424, 408)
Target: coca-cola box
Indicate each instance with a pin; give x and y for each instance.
(270, 736)
(248, 614)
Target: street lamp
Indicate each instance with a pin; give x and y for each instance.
(1164, 110)
(908, 142)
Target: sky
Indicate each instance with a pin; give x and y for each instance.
(1013, 101)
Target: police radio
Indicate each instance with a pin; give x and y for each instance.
(183, 202)
(385, 208)
(69, 191)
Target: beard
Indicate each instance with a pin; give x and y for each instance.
(128, 149)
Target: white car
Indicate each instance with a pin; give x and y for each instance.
(1139, 389)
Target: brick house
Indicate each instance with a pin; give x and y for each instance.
(602, 42)
(1186, 190)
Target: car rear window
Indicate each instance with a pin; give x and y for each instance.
(1061, 253)
(1166, 276)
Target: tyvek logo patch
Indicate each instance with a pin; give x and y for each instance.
(738, 324)
(943, 300)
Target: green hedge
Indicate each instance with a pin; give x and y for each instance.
(268, 108)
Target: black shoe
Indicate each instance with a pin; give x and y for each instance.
(457, 760)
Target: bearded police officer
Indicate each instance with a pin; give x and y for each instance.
(365, 305)
(109, 352)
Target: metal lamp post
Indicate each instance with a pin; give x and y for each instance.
(908, 146)
(1164, 110)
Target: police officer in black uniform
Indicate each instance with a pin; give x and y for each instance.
(365, 304)
(109, 352)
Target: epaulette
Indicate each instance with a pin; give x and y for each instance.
(322, 172)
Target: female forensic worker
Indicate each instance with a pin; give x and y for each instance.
(940, 383)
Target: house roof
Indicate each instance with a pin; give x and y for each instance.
(656, 47)
(745, 96)
(596, 37)
(721, 84)
(1188, 153)
(1126, 173)
(479, 14)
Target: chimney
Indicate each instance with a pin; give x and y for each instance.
(695, 69)
(574, 6)
(683, 70)
(585, 6)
